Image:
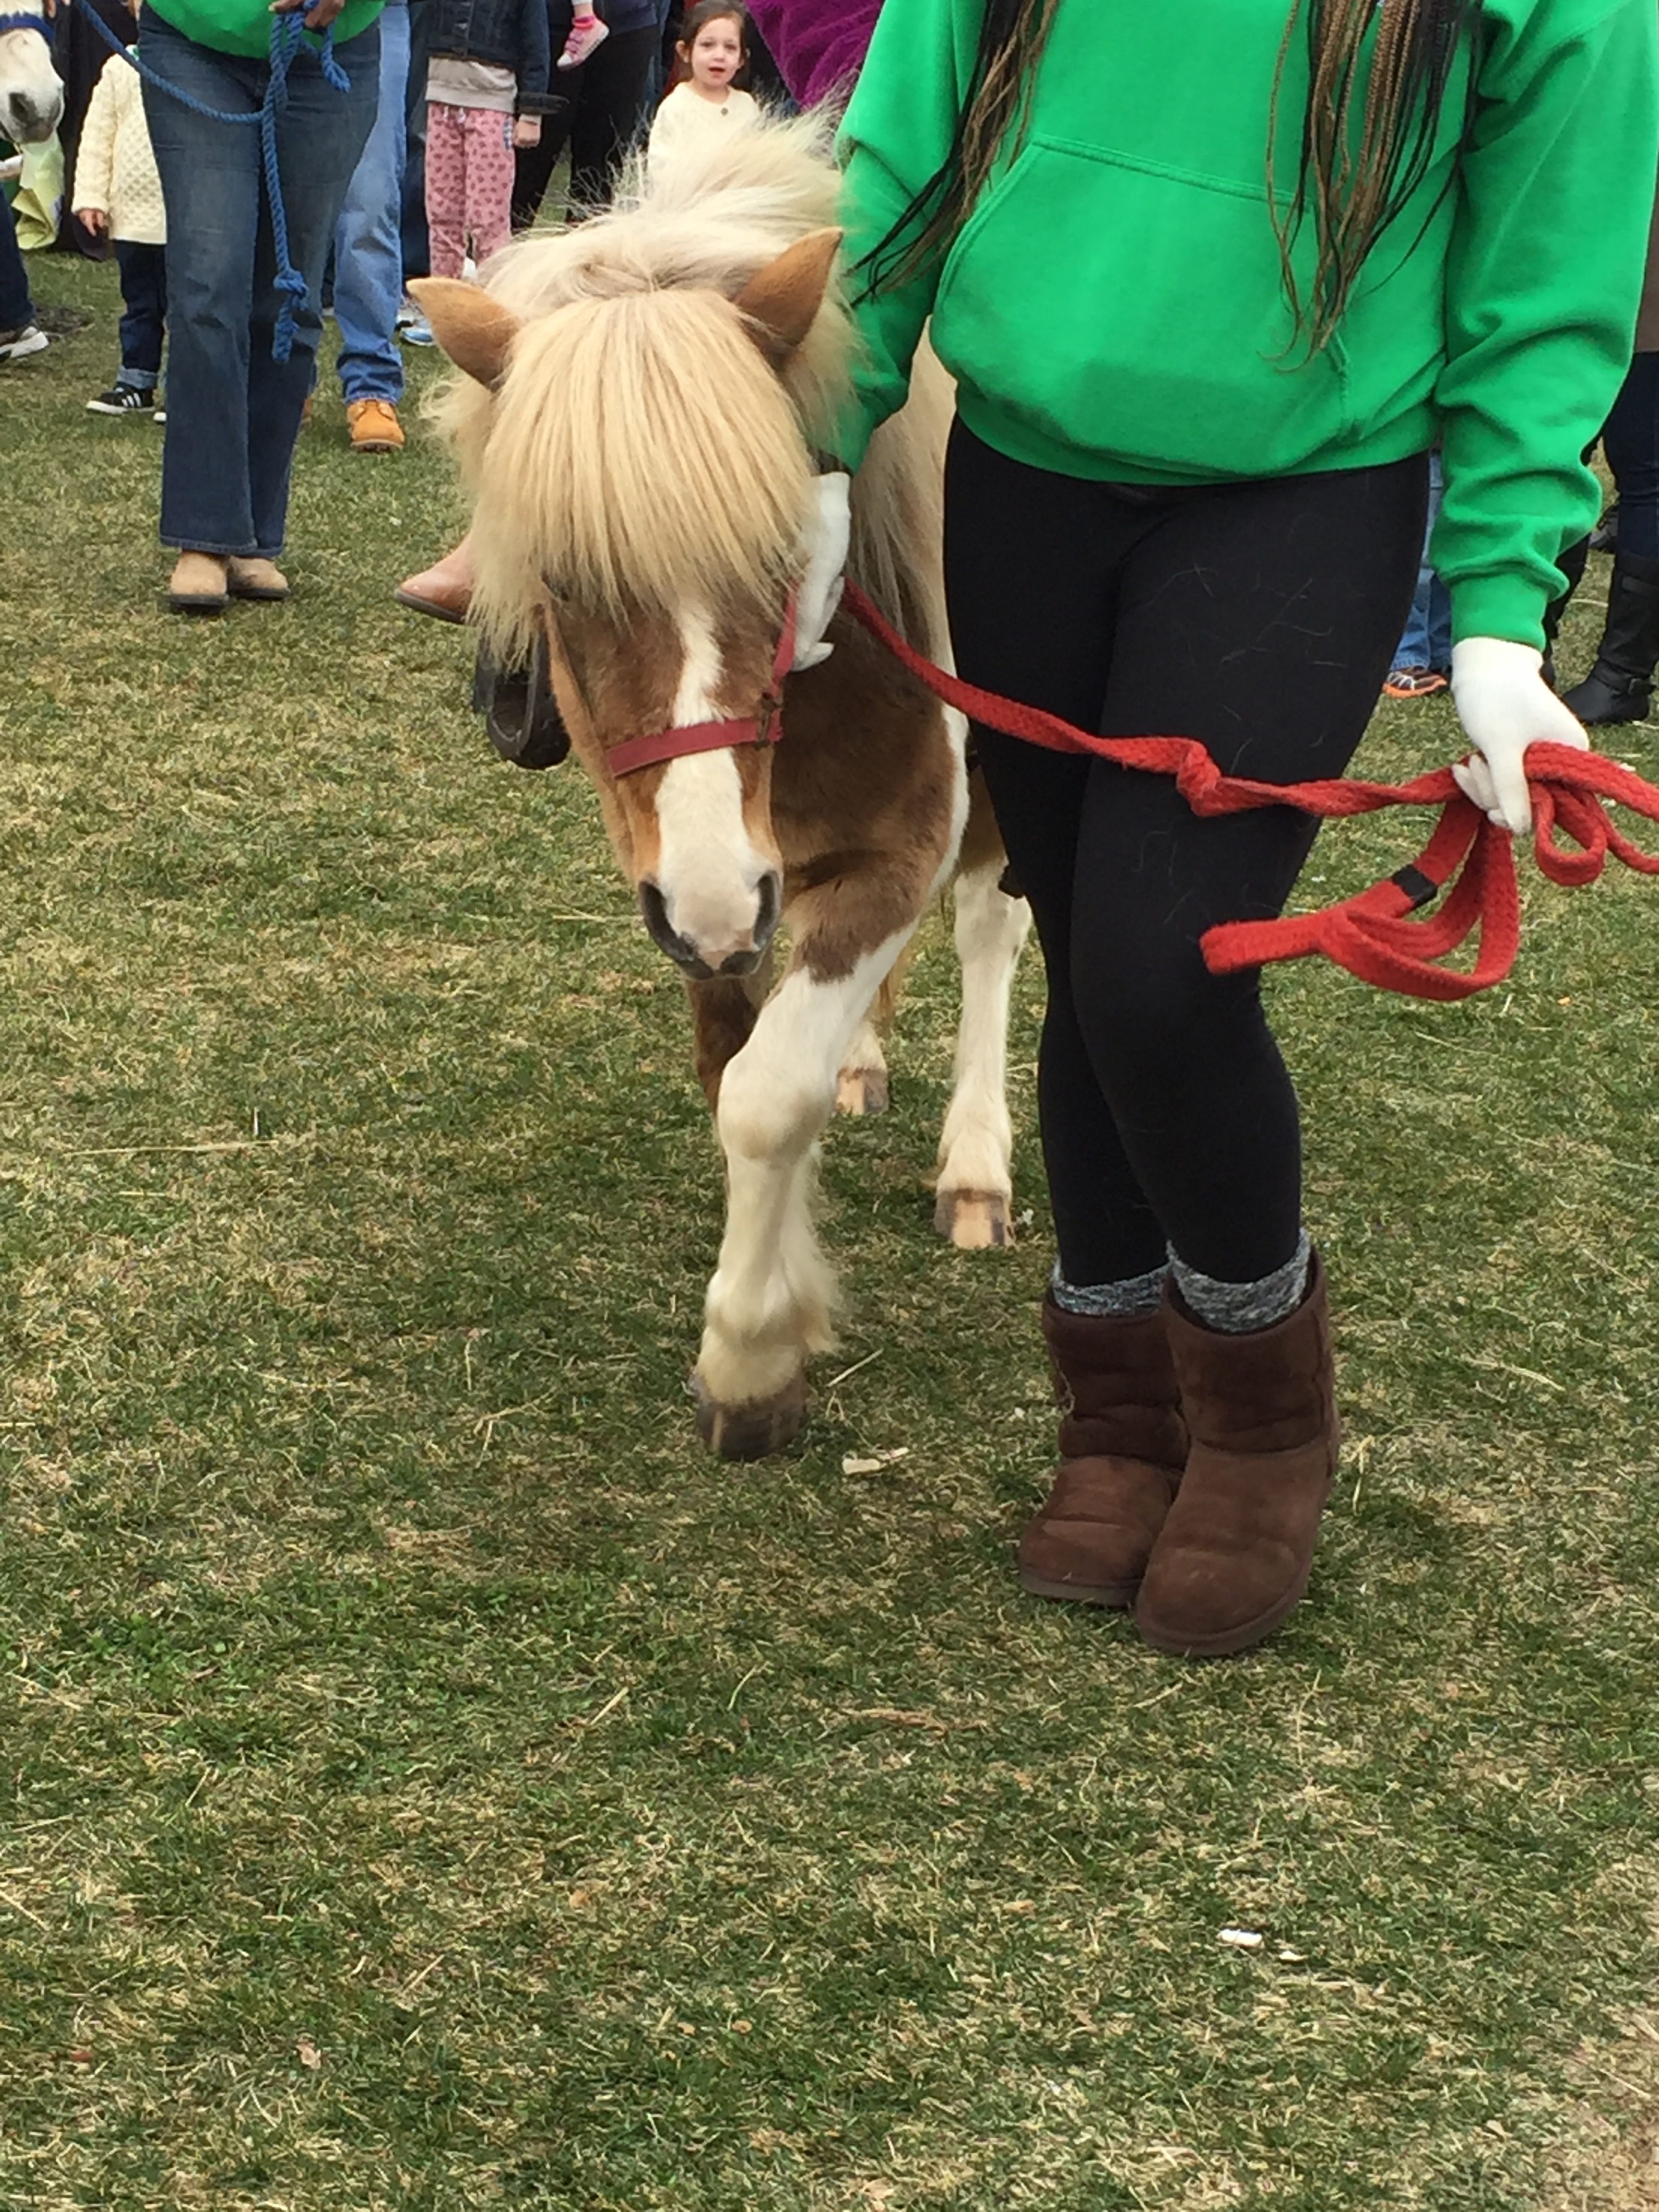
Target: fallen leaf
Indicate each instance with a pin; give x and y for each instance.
(309, 2054)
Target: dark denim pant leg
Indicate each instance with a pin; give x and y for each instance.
(320, 141)
(16, 309)
(144, 310)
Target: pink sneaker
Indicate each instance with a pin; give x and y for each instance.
(587, 33)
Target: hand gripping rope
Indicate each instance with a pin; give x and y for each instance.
(1370, 935)
(286, 32)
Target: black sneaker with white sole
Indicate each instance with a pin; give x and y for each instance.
(123, 399)
(14, 344)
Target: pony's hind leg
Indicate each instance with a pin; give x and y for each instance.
(973, 1179)
(862, 1086)
(768, 1305)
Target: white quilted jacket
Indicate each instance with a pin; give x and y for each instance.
(114, 169)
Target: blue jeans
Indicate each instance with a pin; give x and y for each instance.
(1427, 640)
(1631, 443)
(144, 310)
(232, 410)
(368, 259)
(17, 309)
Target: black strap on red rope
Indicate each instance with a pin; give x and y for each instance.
(1373, 934)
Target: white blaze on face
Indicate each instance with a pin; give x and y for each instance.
(708, 870)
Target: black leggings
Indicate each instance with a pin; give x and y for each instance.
(609, 95)
(1260, 618)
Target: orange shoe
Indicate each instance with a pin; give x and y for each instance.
(374, 426)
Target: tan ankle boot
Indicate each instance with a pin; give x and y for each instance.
(1122, 1447)
(1234, 1556)
(250, 577)
(197, 585)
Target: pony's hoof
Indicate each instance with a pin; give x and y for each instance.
(756, 1429)
(974, 1221)
(861, 1090)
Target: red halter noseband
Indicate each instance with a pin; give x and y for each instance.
(764, 727)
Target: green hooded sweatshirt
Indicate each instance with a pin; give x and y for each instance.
(1114, 308)
(243, 27)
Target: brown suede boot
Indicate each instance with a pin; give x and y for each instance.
(1236, 1551)
(1122, 1446)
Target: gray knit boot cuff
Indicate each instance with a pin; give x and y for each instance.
(1238, 1309)
(1126, 1301)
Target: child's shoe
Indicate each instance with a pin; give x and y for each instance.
(29, 338)
(123, 399)
(586, 34)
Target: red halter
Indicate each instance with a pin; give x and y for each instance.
(1370, 935)
(764, 727)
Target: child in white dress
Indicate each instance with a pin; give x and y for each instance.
(707, 104)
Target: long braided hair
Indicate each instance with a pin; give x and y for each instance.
(1367, 139)
(1368, 136)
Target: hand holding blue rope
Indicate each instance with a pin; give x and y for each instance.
(287, 31)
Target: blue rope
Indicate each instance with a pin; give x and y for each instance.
(286, 30)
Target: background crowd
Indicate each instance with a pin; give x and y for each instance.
(412, 138)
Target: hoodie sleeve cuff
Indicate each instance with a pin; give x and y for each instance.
(1498, 605)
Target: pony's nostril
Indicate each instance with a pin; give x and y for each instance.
(664, 936)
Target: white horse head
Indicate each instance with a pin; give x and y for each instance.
(31, 94)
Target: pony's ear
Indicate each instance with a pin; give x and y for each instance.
(473, 330)
(780, 303)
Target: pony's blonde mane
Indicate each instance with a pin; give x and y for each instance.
(641, 453)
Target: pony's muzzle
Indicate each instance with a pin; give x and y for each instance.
(703, 961)
(29, 119)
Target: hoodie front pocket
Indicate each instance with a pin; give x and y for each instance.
(1125, 309)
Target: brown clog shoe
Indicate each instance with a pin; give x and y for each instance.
(197, 585)
(250, 577)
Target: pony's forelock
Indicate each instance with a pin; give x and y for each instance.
(641, 452)
(640, 458)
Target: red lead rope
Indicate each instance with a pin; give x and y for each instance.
(1371, 935)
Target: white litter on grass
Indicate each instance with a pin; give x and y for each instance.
(1241, 1939)
(853, 1465)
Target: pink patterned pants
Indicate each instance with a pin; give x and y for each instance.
(469, 183)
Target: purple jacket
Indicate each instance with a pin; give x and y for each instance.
(817, 44)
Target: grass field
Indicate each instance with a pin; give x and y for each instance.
(432, 1783)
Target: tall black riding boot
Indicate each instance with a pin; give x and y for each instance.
(1620, 688)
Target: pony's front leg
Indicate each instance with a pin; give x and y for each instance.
(974, 1180)
(769, 1302)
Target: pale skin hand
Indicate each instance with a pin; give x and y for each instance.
(96, 221)
(319, 14)
(527, 130)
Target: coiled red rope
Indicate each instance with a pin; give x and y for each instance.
(1372, 935)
